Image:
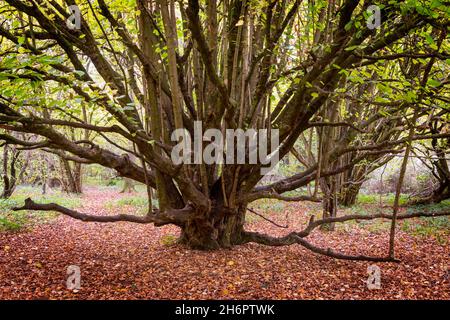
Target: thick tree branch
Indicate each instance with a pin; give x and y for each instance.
(174, 216)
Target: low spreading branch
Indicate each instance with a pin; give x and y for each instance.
(159, 218)
(297, 237)
(293, 238)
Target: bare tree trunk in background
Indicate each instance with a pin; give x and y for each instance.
(70, 176)
(78, 177)
(329, 202)
(328, 185)
(8, 176)
(398, 192)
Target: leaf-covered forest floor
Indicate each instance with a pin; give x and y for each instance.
(131, 261)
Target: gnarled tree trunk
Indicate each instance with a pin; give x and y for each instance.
(222, 230)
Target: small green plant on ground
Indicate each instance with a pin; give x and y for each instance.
(168, 240)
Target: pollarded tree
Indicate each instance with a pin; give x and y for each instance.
(150, 67)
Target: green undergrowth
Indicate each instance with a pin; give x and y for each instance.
(17, 220)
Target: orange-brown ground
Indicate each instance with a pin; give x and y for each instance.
(131, 261)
